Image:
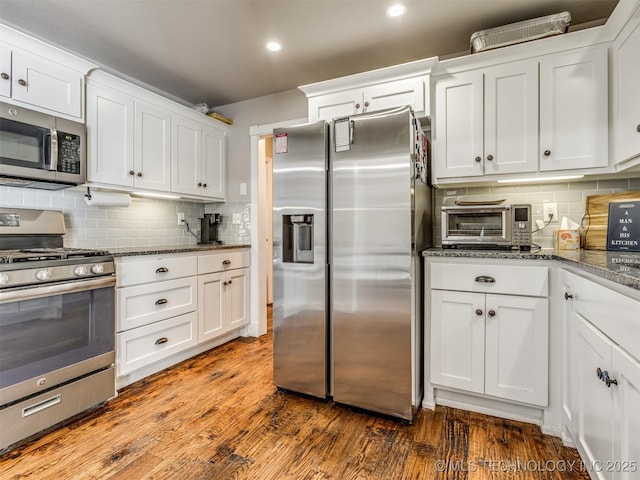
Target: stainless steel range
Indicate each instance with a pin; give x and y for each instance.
(57, 325)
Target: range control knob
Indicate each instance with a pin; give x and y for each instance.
(97, 268)
(4, 278)
(43, 275)
(80, 270)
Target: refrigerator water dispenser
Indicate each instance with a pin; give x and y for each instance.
(297, 238)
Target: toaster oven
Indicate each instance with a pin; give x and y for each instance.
(487, 226)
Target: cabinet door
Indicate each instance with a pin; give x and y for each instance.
(335, 105)
(5, 70)
(626, 407)
(151, 147)
(511, 118)
(42, 83)
(595, 423)
(110, 136)
(627, 121)
(213, 162)
(457, 339)
(237, 298)
(211, 312)
(458, 144)
(409, 91)
(517, 348)
(186, 156)
(574, 110)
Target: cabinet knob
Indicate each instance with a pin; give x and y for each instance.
(204, 185)
(5, 76)
(489, 157)
(492, 313)
(162, 270)
(357, 106)
(162, 340)
(162, 301)
(478, 159)
(230, 282)
(22, 82)
(366, 104)
(637, 128)
(547, 153)
(485, 279)
(599, 373)
(199, 184)
(131, 172)
(610, 381)
(478, 312)
(224, 283)
(567, 296)
(226, 262)
(139, 174)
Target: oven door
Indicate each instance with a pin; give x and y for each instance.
(50, 335)
(477, 226)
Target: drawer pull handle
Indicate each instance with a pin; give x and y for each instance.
(478, 312)
(492, 313)
(162, 301)
(227, 262)
(485, 279)
(567, 296)
(162, 270)
(38, 407)
(162, 340)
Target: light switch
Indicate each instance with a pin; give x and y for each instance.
(243, 188)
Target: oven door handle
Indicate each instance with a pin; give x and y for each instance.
(40, 291)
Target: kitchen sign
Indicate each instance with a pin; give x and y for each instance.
(623, 228)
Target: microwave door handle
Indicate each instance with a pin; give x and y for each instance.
(53, 159)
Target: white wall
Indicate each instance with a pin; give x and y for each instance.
(257, 111)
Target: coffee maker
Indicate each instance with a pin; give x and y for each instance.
(209, 228)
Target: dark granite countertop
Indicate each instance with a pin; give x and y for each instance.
(167, 249)
(619, 267)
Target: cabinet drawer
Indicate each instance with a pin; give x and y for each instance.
(509, 280)
(613, 313)
(136, 270)
(144, 345)
(216, 261)
(143, 304)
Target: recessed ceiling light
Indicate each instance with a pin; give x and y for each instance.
(274, 46)
(396, 10)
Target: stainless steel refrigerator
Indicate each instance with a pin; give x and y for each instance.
(351, 213)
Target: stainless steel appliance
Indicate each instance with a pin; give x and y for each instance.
(57, 325)
(39, 150)
(351, 213)
(487, 226)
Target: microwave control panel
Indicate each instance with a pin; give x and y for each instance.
(68, 153)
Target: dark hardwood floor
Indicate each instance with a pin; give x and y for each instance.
(218, 416)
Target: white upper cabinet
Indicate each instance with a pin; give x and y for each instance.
(5, 70)
(574, 128)
(34, 81)
(626, 122)
(197, 158)
(128, 140)
(400, 85)
(486, 121)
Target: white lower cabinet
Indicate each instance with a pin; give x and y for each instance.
(602, 411)
(167, 312)
(494, 344)
(223, 291)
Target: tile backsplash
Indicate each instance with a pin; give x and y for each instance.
(146, 222)
(570, 198)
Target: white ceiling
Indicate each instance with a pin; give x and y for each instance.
(213, 50)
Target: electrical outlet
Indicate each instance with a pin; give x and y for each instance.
(550, 212)
(237, 219)
(181, 220)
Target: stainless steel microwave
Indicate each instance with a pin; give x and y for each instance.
(39, 150)
(487, 226)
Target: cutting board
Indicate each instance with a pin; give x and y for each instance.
(597, 217)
